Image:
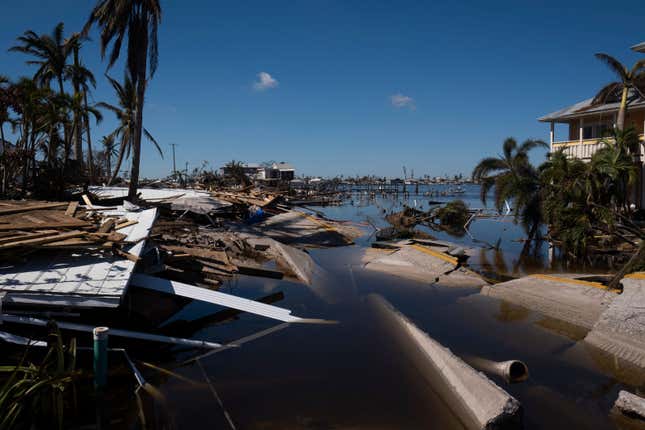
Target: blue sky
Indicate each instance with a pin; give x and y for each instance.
(464, 75)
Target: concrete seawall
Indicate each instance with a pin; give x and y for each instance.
(620, 330)
(577, 302)
(474, 399)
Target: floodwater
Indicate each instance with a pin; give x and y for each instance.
(352, 375)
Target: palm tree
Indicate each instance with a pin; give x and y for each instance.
(126, 115)
(139, 19)
(4, 108)
(109, 149)
(629, 79)
(566, 192)
(514, 178)
(51, 52)
(613, 170)
(79, 76)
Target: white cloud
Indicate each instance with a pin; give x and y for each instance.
(400, 101)
(265, 81)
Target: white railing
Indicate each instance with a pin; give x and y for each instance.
(584, 149)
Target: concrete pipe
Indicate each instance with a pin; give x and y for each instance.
(511, 371)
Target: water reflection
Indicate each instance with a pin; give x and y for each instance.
(352, 375)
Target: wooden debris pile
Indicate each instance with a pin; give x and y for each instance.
(30, 226)
(206, 256)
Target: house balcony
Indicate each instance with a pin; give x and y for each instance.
(585, 148)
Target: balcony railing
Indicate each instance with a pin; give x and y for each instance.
(586, 148)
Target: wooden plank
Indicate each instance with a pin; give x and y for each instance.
(259, 271)
(125, 224)
(26, 208)
(206, 254)
(71, 209)
(127, 255)
(46, 219)
(87, 201)
(41, 240)
(28, 236)
(107, 225)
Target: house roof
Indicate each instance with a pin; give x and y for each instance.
(283, 166)
(639, 47)
(585, 108)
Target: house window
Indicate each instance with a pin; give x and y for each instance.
(587, 132)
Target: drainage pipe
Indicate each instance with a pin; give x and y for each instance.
(512, 371)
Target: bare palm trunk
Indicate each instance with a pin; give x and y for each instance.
(3, 180)
(530, 239)
(620, 121)
(90, 161)
(119, 160)
(139, 78)
(136, 144)
(108, 162)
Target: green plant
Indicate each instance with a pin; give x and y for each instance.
(453, 215)
(514, 179)
(37, 395)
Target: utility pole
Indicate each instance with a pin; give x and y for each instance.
(174, 166)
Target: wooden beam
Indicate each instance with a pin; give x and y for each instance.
(26, 208)
(41, 240)
(71, 209)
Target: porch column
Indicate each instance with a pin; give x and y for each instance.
(582, 124)
(552, 135)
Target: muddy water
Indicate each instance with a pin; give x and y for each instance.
(349, 375)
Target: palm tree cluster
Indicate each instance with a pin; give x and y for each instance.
(630, 80)
(514, 178)
(49, 115)
(580, 202)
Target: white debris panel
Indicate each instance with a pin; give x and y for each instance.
(78, 279)
(215, 297)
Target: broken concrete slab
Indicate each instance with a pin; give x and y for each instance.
(577, 302)
(421, 263)
(630, 404)
(620, 329)
(298, 262)
(295, 227)
(474, 398)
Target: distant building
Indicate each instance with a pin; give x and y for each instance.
(276, 172)
(281, 171)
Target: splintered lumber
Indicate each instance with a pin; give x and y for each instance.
(218, 257)
(259, 271)
(87, 201)
(41, 240)
(71, 209)
(125, 224)
(37, 220)
(107, 225)
(127, 255)
(24, 236)
(18, 208)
